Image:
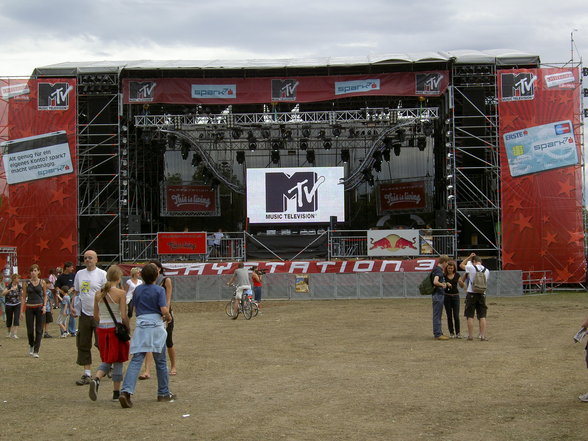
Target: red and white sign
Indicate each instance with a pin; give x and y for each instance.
(296, 89)
(402, 196)
(298, 267)
(190, 198)
(181, 243)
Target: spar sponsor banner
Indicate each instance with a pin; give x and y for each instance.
(295, 195)
(402, 196)
(541, 186)
(289, 89)
(393, 243)
(181, 243)
(38, 178)
(179, 200)
(297, 267)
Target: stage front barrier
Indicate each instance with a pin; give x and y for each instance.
(333, 286)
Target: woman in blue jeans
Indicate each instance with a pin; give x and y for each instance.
(149, 336)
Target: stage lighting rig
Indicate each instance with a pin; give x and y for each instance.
(275, 157)
(266, 133)
(252, 146)
(310, 156)
(386, 154)
(336, 131)
(422, 144)
(303, 144)
(396, 149)
(236, 133)
(327, 144)
(427, 128)
(368, 177)
(196, 159)
(305, 131)
(378, 166)
(401, 135)
(345, 155)
(185, 150)
(171, 141)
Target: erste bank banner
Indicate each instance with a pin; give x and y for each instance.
(542, 221)
(295, 195)
(38, 179)
(289, 89)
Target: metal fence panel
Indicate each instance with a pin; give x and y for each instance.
(368, 286)
(393, 285)
(345, 286)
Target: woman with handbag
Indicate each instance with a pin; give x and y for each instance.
(110, 313)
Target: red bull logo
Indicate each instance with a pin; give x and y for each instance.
(393, 242)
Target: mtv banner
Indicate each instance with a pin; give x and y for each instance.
(393, 243)
(38, 180)
(541, 187)
(295, 195)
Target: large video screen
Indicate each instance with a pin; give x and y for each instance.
(295, 195)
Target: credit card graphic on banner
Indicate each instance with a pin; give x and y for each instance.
(540, 148)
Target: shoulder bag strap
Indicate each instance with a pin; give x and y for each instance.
(109, 310)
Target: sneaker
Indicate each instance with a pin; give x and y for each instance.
(31, 350)
(470, 338)
(125, 400)
(458, 335)
(451, 335)
(94, 385)
(442, 337)
(46, 335)
(483, 338)
(64, 335)
(14, 336)
(170, 398)
(115, 395)
(84, 380)
(35, 355)
(8, 335)
(584, 398)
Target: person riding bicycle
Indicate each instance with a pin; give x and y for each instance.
(241, 279)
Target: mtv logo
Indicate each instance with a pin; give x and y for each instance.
(284, 90)
(518, 86)
(297, 192)
(53, 96)
(428, 84)
(141, 91)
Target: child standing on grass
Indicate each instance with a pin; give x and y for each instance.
(64, 314)
(48, 314)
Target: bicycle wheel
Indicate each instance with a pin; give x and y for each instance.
(254, 309)
(247, 309)
(229, 308)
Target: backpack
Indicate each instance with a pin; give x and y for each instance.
(426, 287)
(479, 284)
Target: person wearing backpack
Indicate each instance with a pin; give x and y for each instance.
(477, 283)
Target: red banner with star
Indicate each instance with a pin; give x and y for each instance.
(38, 180)
(541, 185)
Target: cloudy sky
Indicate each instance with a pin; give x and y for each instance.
(41, 32)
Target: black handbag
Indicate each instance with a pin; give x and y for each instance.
(120, 329)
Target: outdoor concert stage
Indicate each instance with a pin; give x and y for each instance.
(409, 155)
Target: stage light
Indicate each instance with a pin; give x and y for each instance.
(427, 128)
(236, 133)
(352, 133)
(345, 155)
(422, 144)
(275, 156)
(124, 151)
(388, 142)
(368, 177)
(449, 177)
(321, 134)
(585, 71)
(585, 93)
(336, 131)
(277, 144)
(265, 133)
(185, 150)
(449, 187)
(196, 159)
(386, 155)
(305, 132)
(585, 113)
(449, 155)
(310, 156)
(171, 141)
(377, 156)
(240, 157)
(397, 149)
(450, 197)
(286, 134)
(252, 145)
(378, 166)
(401, 135)
(410, 142)
(327, 144)
(303, 144)
(219, 136)
(214, 183)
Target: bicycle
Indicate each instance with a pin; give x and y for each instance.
(246, 306)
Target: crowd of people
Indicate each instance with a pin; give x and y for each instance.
(100, 303)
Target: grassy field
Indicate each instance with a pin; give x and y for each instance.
(325, 370)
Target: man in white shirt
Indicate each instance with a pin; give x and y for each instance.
(86, 284)
(475, 301)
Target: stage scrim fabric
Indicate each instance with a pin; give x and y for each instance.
(540, 151)
(38, 188)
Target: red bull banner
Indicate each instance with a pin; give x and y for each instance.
(298, 267)
(540, 151)
(38, 188)
(181, 243)
(408, 196)
(393, 243)
(190, 200)
(283, 89)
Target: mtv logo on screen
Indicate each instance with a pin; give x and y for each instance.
(53, 96)
(428, 84)
(518, 87)
(284, 90)
(296, 192)
(141, 91)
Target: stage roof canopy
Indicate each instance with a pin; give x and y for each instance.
(507, 57)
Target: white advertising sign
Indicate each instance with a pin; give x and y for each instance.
(295, 195)
(393, 243)
(36, 157)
